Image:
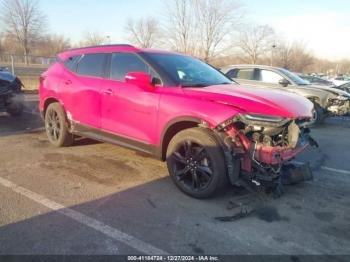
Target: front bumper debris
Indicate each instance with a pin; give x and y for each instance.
(257, 201)
(276, 155)
(262, 162)
(295, 172)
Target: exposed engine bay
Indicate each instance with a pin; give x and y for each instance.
(262, 145)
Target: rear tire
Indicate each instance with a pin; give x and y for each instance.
(56, 126)
(196, 163)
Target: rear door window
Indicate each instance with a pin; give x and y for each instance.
(92, 65)
(124, 63)
(245, 73)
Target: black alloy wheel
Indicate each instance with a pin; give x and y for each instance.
(196, 162)
(192, 166)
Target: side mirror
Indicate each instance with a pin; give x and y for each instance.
(140, 79)
(284, 82)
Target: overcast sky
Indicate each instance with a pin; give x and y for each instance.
(323, 25)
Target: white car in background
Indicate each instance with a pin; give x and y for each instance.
(340, 80)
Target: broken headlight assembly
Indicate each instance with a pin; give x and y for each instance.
(338, 101)
(263, 120)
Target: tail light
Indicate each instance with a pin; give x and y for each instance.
(42, 79)
(42, 82)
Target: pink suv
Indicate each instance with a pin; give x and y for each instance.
(209, 130)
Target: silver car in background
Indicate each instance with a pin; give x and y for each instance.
(327, 101)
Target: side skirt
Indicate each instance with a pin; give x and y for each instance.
(108, 137)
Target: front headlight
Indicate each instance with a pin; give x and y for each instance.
(339, 100)
(343, 98)
(263, 120)
(267, 118)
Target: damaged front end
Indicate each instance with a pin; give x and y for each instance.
(262, 145)
(11, 96)
(339, 106)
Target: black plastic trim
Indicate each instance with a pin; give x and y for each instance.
(159, 150)
(105, 136)
(96, 46)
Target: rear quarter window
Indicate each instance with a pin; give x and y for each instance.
(71, 62)
(232, 73)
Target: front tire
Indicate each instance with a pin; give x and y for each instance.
(318, 115)
(56, 126)
(15, 109)
(196, 163)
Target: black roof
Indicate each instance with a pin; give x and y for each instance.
(95, 46)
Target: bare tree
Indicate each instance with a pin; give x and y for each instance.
(179, 26)
(143, 32)
(51, 45)
(293, 56)
(216, 21)
(255, 41)
(92, 38)
(302, 58)
(282, 54)
(23, 20)
(1, 43)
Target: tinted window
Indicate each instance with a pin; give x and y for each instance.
(71, 62)
(232, 73)
(92, 65)
(124, 63)
(271, 77)
(246, 73)
(296, 79)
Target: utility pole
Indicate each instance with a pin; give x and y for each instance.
(108, 39)
(12, 65)
(273, 47)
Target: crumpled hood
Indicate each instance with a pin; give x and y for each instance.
(332, 90)
(256, 100)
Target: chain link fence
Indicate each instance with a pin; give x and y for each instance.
(26, 68)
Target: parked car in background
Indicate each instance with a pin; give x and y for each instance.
(340, 80)
(208, 129)
(344, 87)
(4, 69)
(327, 101)
(11, 99)
(314, 80)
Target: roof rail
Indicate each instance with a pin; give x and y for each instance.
(95, 46)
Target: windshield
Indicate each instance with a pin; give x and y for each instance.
(187, 71)
(296, 79)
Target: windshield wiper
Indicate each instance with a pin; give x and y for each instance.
(226, 83)
(194, 85)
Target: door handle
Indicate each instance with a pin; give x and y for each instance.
(68, 82)
(108, 91)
